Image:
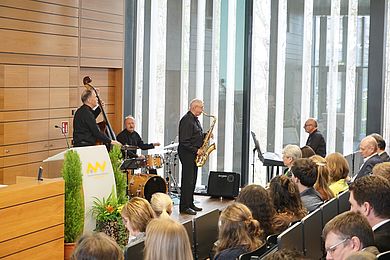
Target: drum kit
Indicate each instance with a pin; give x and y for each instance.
(146, 182)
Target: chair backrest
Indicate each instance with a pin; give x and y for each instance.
(272, 239)
(312, 230)
(292, 238)
(329, 210)
(188, 226)
(254, 254)
(343, 201)
(383, 256)
(206, 233)
(135, 252)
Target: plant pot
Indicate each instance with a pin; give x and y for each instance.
(114, 229)
(68, 250)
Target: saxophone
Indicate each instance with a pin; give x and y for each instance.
(206, 148)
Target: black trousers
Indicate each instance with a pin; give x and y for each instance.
(189, 174)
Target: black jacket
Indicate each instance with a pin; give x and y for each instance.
(190, 133)
(317, 142)
(382, 237)
(366, 169)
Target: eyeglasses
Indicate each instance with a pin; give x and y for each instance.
(307, 125)
(332, 249)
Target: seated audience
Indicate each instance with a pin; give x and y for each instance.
(97, 246)
(166, 239)
(381, 147)
(257, 199)
(322, 182)
(370, 195)
(347, 233)
(286, 201)
(136, 215)
(290, 153)
(239, 232)
(161, 204)
(304, 174)
(361, 255)
(285, 254)
(307, 151)
(382, 169)
(368, 149)
(338, 171)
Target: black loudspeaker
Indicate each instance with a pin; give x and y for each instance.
(223, 184)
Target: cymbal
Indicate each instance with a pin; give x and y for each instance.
(171, 146)
(129, 147)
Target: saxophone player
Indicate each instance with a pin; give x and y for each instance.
(190, 140)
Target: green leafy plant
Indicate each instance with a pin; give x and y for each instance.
(74, 199)
(120, 177)
(107, 212)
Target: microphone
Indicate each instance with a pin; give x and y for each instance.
(66, 138)
(40, 170)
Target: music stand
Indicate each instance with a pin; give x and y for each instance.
(259, 154)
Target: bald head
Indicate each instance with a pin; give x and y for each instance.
(196, 107)
(310, 125)
(368, 146)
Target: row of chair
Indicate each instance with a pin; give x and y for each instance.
(202, 233)
(306, 235)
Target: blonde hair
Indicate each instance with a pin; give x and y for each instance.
(166, 239)
(382, 169)
(338, 166)
(139, 212)
(238, 228)
(161, 204)
(322, 182)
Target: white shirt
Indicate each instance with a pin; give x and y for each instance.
(380, 224)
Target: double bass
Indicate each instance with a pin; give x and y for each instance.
(105, 125)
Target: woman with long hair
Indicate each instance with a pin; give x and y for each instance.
(338, 171)
(161, 204)
(166, 239)
(239, 232)
(257, 199)
(287, 202)
(322, 182)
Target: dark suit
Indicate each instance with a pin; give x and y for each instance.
(382, 237)
(385, 157)
(190, 140)
(366, 169)
(317, 142)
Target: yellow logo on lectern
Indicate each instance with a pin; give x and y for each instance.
(94, 169)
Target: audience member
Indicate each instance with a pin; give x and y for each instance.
(307, 151)
(368, 149)
(239, 232)
(257, 199)
(285, 254)
(361, 255)
(304, 174)
(290, 153)
(96, 246)
(322, 182)
(315, 139)
(370, 195)
(286, 201)
(338, 171)
(381, 147)
(382, 169)
(166, 239)
(136, 215)
(161, 204)
(346, 233)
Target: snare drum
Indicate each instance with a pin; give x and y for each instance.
(145, 185)
(154, 161)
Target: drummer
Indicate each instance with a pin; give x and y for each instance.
(130, 137)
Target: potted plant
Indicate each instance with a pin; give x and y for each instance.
(107, 212)
(74, 200)
(120, 177)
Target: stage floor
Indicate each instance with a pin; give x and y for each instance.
(206, 202)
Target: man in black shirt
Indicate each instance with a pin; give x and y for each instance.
(85, 129)
(315, 140)
(190, 140)
(129, 136)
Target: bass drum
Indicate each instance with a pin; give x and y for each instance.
(145, 185)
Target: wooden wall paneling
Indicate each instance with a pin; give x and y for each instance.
(15, 132)
(10, 173)
(59, 98)
(102, 16)
(27, 15)
(43, 7)
(101, 63)
(14, 98)
(103, 49)
(37, 130)
(104, 6)
(15, 76)
(102, 25)
(33, 147)
(72, 3)
(37, 114)
(31, 240)
(118, 104)
(27, 59)
(59, 77)
(38, 76)
(38, 98)
(102, 35)
(44, 251)
(9, 150)
(21, 219)
(14, 160)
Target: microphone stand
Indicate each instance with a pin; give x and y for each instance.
(253, 164)
(66, 138)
